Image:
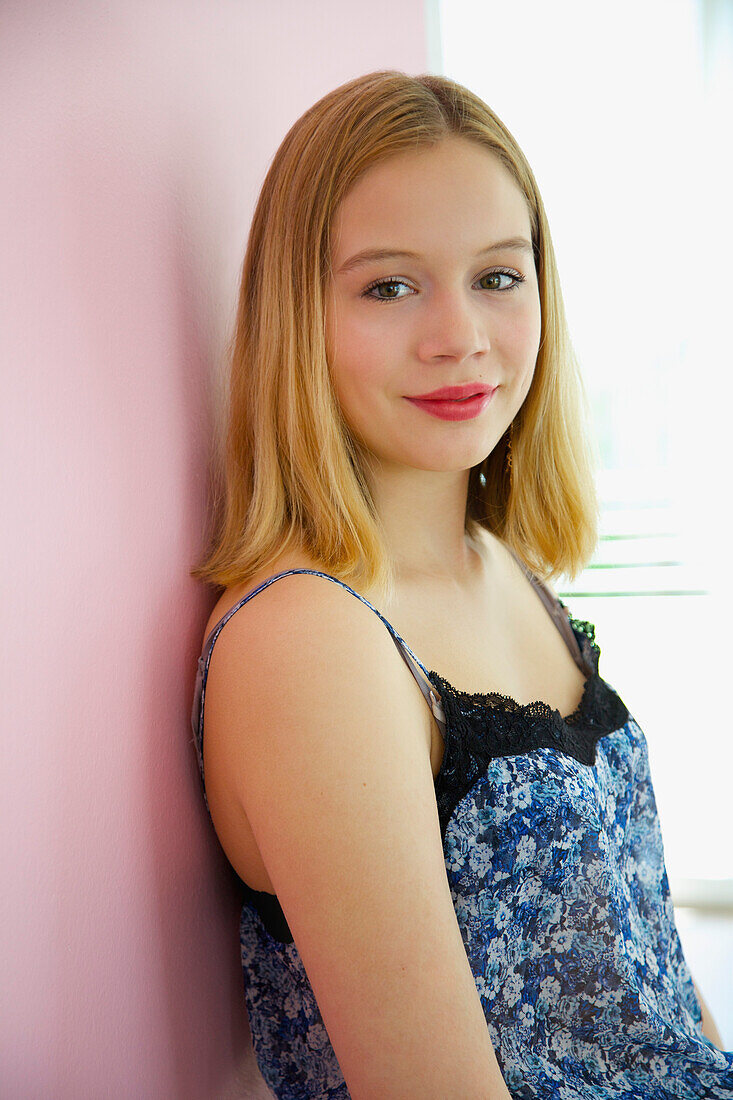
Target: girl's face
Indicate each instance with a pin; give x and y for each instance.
(464, 308)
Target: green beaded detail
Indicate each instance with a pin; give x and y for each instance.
(589, 631)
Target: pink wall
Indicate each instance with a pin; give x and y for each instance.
(135, 139)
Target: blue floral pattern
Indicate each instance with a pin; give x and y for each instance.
(555, 862)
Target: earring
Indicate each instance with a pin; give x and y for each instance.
(509, 448)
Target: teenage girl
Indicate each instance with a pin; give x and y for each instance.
(440, 816)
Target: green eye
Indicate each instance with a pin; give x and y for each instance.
(507, 273)
(367, 293)
(393, 284)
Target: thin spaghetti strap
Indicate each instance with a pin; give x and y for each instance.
(557, 611)
(415, 665)
(215, 631)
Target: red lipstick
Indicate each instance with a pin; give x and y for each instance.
(454, 393)
(456, 402)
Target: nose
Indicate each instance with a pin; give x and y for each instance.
(453, 327)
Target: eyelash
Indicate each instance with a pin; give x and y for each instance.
(366, 293)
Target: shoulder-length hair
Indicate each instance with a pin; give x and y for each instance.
(290, 473)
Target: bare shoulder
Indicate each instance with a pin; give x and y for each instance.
(232, 595)
(311, 606)
(323, 731)
(305, 641)
(272, 610)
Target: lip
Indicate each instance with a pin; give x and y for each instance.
(453, 409)
(454, 393)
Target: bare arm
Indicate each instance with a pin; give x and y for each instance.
(320, 725)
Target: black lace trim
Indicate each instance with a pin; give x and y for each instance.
(472, 741)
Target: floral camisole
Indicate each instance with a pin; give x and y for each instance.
(554, 857)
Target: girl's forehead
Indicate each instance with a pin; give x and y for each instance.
(435, 197)
(457, 159)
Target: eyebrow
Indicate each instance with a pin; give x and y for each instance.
(376, 255)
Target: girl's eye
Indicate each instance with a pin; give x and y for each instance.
(390, 283)
(513, 275)
(497, 276)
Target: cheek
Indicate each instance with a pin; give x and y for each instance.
(357, 358)
(522, 339)
(356, 376)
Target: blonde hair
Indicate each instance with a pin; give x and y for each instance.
(291, 474)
